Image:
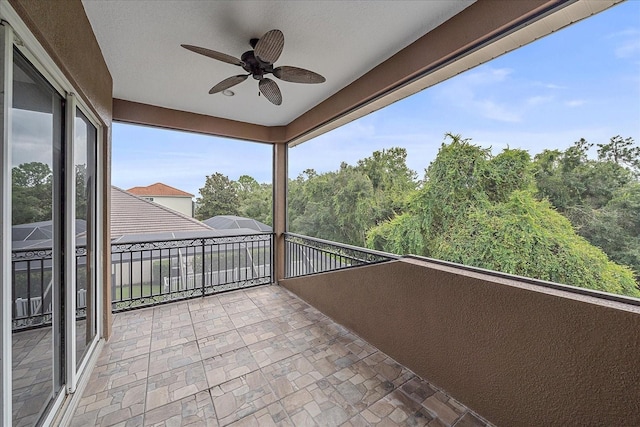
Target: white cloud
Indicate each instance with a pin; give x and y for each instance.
(628, 42)
(550, 85)
(628, 49)
(496, 111)
(466, 92)
(486, 76)
(628, 32)
(575, 103)
(539, 99)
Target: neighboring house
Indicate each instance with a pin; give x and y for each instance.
(133, 216)
(166, 195)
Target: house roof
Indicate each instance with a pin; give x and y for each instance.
(232, 222)
(134, 219)
(159, 189)
(37, 235)
(131, 214)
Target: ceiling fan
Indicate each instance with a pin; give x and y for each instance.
(258, 63)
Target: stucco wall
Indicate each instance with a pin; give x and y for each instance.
(518, 354)
(179, 204)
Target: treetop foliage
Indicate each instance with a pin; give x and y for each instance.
(505, 213)
(32, 193)
(560, 216)
(344, 204)
(244, 197)
(219, 196)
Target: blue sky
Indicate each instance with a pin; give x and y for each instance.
(582, 82)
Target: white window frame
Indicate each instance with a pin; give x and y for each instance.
(6, 373)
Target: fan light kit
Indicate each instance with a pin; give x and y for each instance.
(259, 62)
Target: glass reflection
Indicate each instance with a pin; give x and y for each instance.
(84, 163)
(37, 159)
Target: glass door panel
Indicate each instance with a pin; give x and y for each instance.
(85, 217)
(37, 116)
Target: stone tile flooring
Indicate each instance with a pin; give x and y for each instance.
(254, 357)
(32, 364)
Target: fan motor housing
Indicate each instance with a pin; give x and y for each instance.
(254, 66)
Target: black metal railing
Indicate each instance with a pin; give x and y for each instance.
(149, 273)
(32, 286)
(309, 255)
(156, 272)
(144, 273)
(30, 278)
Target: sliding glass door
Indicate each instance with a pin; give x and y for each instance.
(37, 173)
(53, 302)
(84, 147)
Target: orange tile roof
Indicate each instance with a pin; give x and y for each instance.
(158, 189)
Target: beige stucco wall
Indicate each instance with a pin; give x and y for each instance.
(179, 204)
(518, 354)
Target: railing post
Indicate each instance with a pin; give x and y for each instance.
(287, 257)
(203, 269)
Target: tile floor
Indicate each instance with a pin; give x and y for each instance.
(32, 364)
(254, 357)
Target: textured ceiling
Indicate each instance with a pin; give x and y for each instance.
(341, 40)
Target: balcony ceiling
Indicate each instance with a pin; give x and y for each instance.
(372, 54)
(342, 40)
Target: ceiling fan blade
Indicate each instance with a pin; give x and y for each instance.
(269, 47)
(213, 54)
(297, 75)
(270, 90)
(227, 83)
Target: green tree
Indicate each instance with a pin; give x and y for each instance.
(353, 205)
(219, 196)
(621, 152)
(335, 205)
(527, 237)
(453, 184)
(296, 197)
(589, 193)
(31, 174)
(402, 234)
(315, 208)
(255, 199)
(480, 210)
(32, 193)
(616, 227)
(573, 182)
(392, 181)
(81, 191)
